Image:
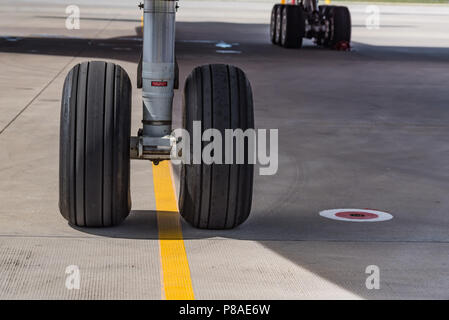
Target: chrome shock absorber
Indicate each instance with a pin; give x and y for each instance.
(158, 67)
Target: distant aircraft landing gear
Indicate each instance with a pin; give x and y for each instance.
(96, 146)
(329, 26)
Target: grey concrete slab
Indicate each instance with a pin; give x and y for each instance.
(35, 268)
(366, 128)
(316, 270)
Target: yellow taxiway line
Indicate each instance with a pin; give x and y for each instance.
(176, 280)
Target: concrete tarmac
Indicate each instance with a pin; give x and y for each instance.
(361, 129)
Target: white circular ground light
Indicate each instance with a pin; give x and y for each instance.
(356, 215)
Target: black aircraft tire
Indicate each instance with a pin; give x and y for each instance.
(278, 24)
(292, 27)
(94, 163)
(340, 25)
(217, 196)
(273, 24)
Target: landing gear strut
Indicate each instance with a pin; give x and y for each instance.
(329, 26)
(96, 146)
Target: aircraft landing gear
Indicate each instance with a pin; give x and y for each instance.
(96, 146)
(330, 26)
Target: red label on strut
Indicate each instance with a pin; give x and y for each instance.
(158, 83)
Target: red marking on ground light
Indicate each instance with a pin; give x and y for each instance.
(360, 215)
(342, 46)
